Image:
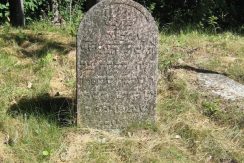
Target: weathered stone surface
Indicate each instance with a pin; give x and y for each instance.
(117, 49)
(221, 86)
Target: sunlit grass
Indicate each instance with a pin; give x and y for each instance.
(38, 63)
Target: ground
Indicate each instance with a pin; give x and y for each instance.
(37, 87)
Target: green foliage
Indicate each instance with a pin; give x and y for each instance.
(208, 13)
(35, 9)
(214, 15)
(4, 11)
(45, 153)
(32, 5)
(72, 15)
(213, 22)
(210, 108)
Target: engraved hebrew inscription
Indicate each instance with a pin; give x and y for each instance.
(117, 49)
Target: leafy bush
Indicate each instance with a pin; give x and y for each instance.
(4, 11)
(36, 9)
(215, 15)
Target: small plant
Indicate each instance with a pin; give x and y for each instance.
(167, 61)
(213, 22)
(210, 108)
(45, 153)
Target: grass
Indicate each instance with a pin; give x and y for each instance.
(37, 87)
(27, 66)
(217, 52)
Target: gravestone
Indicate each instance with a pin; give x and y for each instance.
(117, 59)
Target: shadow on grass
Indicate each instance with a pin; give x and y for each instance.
(58, 110)
(37, 45)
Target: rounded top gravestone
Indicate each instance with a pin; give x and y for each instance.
(117, 59)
